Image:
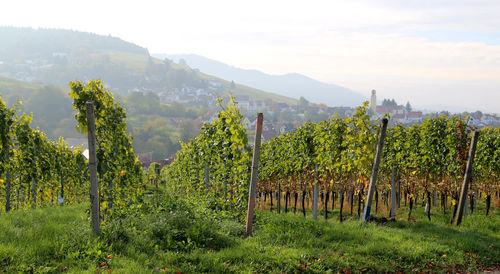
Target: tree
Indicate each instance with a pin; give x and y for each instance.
(233, 85)
(303, 103)
(187, 130)
(313, 116)
(389, 103)
(408, 107)
(182, 62)
(478, 115)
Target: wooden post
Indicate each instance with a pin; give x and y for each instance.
(399, 192)
(341, 203)
(33, 180)
(393, 194)
(315, 193)
(474, 201)
(278, 197)
(62, 185)
(468, 174)
(94, 187)
(7, 182)
(253, 176)
(376, 163)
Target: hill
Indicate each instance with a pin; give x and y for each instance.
(292, 85)
(56, 57)
(50, 105)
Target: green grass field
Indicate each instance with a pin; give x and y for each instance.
(169, 235)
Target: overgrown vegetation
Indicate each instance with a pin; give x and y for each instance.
(166, 231)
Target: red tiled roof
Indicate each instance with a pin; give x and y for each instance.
(415, 114)
(388, 109)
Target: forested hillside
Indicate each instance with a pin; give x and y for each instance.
(50, 105)
(36, 66)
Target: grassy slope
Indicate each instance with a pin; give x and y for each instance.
(9, 83)
(12, 89)
(256, 94)
(132, 61)
(35, 238)
(52, 239)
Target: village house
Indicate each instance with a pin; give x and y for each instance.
(398, 113)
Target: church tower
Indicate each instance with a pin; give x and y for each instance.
(373, 103)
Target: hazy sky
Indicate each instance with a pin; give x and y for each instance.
(428, 52)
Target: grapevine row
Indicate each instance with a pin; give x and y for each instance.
(35, 171)
(337, 154)
(215, 165)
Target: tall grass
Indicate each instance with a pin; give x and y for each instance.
(164, 233)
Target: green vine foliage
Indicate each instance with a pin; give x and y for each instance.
(487, 160)
(426, 157)
(342, 150)
(152, 174)
(360, 144)
(119, 171)
(35, 171)
(221, 151)
(7, 120)
(330, 142)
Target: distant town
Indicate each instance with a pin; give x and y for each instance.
(403, 114)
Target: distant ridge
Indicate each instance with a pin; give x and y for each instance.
(293, 85)
(26, 43)
(58, 56)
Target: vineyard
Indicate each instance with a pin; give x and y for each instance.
(37, 172)
(195, 207)
(425, 162)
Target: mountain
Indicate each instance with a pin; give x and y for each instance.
(291, 85)
(58, 56)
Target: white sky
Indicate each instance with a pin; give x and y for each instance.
(428, 52)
